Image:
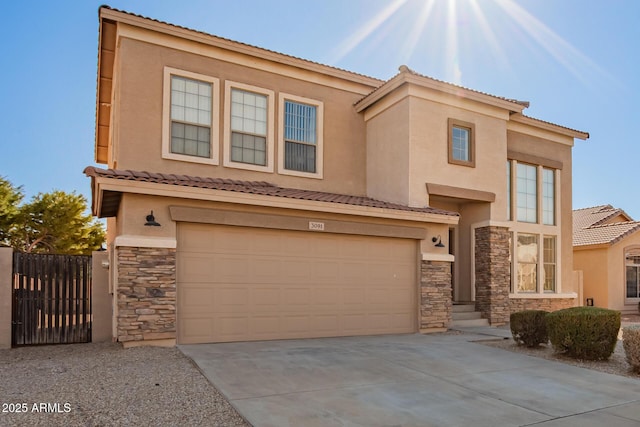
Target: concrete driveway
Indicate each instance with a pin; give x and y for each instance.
(411, 380)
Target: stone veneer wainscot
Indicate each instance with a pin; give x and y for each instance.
(492, 274)
(546, 304)
(146, 294)
(435, 295)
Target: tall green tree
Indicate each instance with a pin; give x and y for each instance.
(55, 222)
(10, 199)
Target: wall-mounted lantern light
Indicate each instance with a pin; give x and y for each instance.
(151, 221)
(589, 302)
(439, 240)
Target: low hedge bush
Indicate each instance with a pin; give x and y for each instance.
(529, 328)
(631, 344)
(588, 333)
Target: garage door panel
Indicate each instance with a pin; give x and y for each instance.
(255, 284)
(196, 267)
(297, 297)
(229, 328)
(229, 299)
(197, 298)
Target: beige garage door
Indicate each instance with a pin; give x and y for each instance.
(244, 284)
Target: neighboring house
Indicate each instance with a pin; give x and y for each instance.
(253, 195)
(606, 248)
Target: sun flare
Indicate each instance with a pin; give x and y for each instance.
(455, 34)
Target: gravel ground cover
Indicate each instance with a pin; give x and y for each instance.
(616, 364)
(102, 384)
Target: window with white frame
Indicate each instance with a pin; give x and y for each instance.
(548, 197)
(527, 261)
(190, 125)
(531, 276)
(527, 193)
(532, 208)
(549, 256)
(509, 217)
(300, 143)
(248, 130)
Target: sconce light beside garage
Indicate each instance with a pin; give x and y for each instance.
(589, 302)
(439, 240)
(151, 221)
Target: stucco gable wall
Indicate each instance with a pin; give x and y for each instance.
(429, 151)
(388, 154)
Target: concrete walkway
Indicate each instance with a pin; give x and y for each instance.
(411, 380)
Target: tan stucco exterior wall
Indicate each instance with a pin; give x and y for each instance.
(595, 269)
(429, 151)
(139, 112)
(6, 296)
(388, 154)
(134, 209)
(604, 274)
(101, 299)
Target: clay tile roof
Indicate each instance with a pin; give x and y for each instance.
(374, 80)
(254, 187)
(590, 227)
(405, 69)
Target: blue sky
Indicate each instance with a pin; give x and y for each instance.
(575, 61)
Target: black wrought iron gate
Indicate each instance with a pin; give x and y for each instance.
(51, 299)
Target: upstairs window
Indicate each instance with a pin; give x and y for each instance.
(527, 193)
(248, 129)
(548, 197)
(301, 137)
(461, 143)
(189, 117)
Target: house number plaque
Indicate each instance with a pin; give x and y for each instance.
(316, 226)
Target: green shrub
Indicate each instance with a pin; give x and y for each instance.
(631, 344)
(589, 333)
(529, 327)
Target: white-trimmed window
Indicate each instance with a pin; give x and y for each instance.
(534, 261)
(300, 136)
(527, 260)
(549, 256)
(190, 116)
(548, 197)
(527, 193)
(248, 129)
(509, 185)
(531, 186)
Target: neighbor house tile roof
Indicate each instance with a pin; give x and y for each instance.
(254, 187)
(590, 226)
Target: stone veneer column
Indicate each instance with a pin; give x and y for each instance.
(146, 295)
(435, 295)
(492, 273)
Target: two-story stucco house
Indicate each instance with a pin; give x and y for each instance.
(252, 195)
